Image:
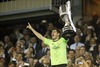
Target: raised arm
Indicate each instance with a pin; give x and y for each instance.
(35, 32)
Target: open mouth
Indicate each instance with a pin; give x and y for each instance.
(52, 35)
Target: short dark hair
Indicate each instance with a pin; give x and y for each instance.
(58, 30)
(71, 50)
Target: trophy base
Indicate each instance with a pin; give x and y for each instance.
(69, 34)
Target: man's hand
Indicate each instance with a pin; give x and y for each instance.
(35, 32)
(29, 26)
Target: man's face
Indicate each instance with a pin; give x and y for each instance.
(76, 39)
(6, 39)
(82, 50)
(54, 34)
(72, 54)
(19, 57)
(77, 50)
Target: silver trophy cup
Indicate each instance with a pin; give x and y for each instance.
(65, 14)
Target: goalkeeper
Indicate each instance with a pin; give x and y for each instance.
(58, 42)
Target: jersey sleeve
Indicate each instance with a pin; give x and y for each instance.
(47, 41)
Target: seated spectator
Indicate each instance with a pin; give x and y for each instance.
(92, 47)
(45, 61)
(88, 56)
(77, 42)
(77, 51)
(82, 50)
(43, 51)
(71, 55)
(35, 44)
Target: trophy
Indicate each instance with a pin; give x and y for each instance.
(65, 14)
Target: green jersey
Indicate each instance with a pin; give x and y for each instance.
(57, 50)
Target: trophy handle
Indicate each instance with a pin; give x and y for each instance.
(69, 15)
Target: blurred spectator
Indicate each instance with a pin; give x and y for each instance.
(28, 55)
(7, 45)
(27, 40)
(92, 47)
(80, 24)
(18, 34)
(43, 51)
(88, 56)
(19, 61)
(82, 50)
(50, 27)
(77, 51)
(25, 32)
(45, 61)
(77, 42)
(71, 55)
(35, 44)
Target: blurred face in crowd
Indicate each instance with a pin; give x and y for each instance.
(92, 41)
(71, 54)
(25, 31)
(88, 56)
(82, 50)
(27, 37)
(16, 31)
(89, 31)
(55, 35)
(18, 49)
(31, 49)
(1, 51)
(22, 42)
(18, 44)
(50, 26)
(77, 51)
(19, 57)
(6, 39)
(76, 38)
(33, 40)
(28, 54)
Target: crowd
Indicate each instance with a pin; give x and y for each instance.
(23, 49)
